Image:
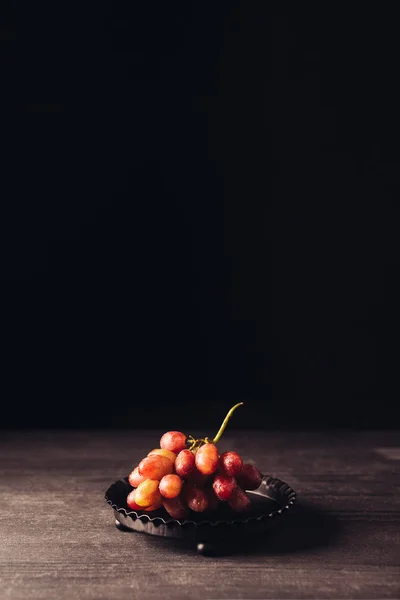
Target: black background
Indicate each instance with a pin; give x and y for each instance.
(199, 207)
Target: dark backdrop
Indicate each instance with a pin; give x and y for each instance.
(199, 207)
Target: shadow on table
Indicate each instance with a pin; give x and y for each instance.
(305, 527)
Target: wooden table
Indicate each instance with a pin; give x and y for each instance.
(58, 539)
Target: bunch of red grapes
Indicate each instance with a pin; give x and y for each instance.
(196, 478)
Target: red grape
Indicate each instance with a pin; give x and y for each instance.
(231, 463)
(163, 452)
(170, 486)
(223, 486)
(131, 501)
(134, 478)
(249, 477)
(175, 441)
(176, 508)
(239, 500)
(155, 467)
(207, 459)
(147, 493)
(196, 498)
(185, 463)
(156, 505)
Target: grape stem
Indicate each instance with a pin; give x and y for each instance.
(225, 423)
(193, 443)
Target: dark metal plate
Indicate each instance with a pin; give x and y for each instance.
(269, 501)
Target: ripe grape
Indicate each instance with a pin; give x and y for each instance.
(207, 459)
(131, 501)
(184, 463)
(231, 463)
(155, 467)
(176, 508)
(223, 486)
(147, 493)
(196, 498)
(163, 452)
(156, 505)
(135, 478)
(170, 486)
(175, 441)
(239, 500)
(249, 477)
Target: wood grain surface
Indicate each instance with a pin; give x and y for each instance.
(58, 539)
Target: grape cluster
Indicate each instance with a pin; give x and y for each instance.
(195, 478)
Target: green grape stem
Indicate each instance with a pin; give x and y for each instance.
(225, 422)
(193, 443)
